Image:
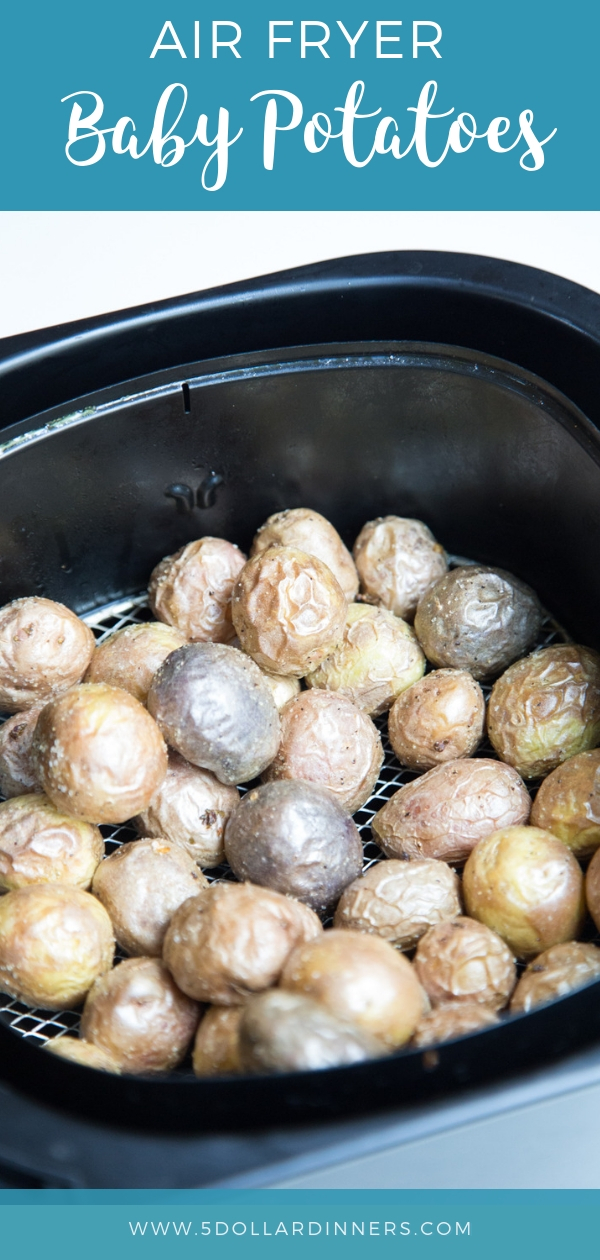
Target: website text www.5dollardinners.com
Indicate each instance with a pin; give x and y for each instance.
(327, 1229)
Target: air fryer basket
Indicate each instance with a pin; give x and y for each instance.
(501, 464)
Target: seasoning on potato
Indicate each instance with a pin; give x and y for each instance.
(308, 531)
(378, 659)
(287, 1032)
(477, 618)
(141, 885)
(17, 773)
(233, 940)
(213, 706)
(592, 888)
(400, 901)
(40, 845)
(191, 808)
(463, 961)
(546, 708)
(556, 972)
(98, 753)
(130, 657)
(567, 803)
(192, 589)
(525, 885)
(446, 812)
(295, 838)
(327, 740)
(440, 718)
(217, 1044)
(76, 1050)
(44, 649)
(138, 1016)
(397, 558)
(55, 940)
(450, 1020)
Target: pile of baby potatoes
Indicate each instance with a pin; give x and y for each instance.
(268, 672)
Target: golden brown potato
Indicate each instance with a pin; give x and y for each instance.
(555, 973)
(440, 718)
(397, 558)
(592, 888)
(526, 886)
(288, 610)
(137, 1015)
(377, 660)
(308, 531)
(233, 939)
(39, 845)
(83, 1052)
(55, 940)
(192, 589)
(44, 649)
(17, 774)
(130, 657)
(400, 900)
(141, 886)
(546, 708)
(452, 1019)
(568, 803)
(463, 961)
(446, 812)
(191, 808)
(286, 1032)
(98, 753)
(327, 740)
(217, 1044)
(361, 979)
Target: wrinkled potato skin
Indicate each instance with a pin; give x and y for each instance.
(447, 811)
(190, 808)
(452, 1019)
(555, 973)
(361, 979)
(286, 1032)
(293, 837)
(213, 706)
(17, 774)
(310, 532)
(592, 888)
(400, 901)
(233, 940)
(192, 589)
(546, 709)
(137, 1015)
(217, 1044)
(55, 940)
(76, 1050)
(98, 753)
(463, 961)
(327, 740)
(439, 719)
(377, 660)
(397, 558)
(44, 650)
(141, 885)
(129, 658)
(525, 885)
(39, 845)
(567, 803)
(477, 618)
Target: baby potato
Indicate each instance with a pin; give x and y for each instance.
(477, 618)
(362, 980)
(76, 1050)
(191, 808)
(525, 885)
(141, 886)
(295, 838)
(546, 708)
(233, 939)
(400, 900)
(137, 1015)
(555, 973)
(17, 774)
(98, 753)
(44, 649)
(377, 660)
(327, 740)
(308, 531)
(446, 812)
(55, 940)
(450, 1020)
(39, 845)
(213, 706)
(130, 657)
(286, 1032)
(192, 589)
(592, 888)
(568, 803)
(217, 1044)
(440, 718)
(463, 961)
(282, 688)
(397, 558)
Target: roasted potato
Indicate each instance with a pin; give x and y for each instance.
(452, 1019)
(397, 558)
(567, 803)
(555, 973)
(217, 1044)
(377, 660)
(44, 649)
(55, 940)
(287, 1032)
(192, 589)
(39, 845)
(440, 718)
(592, 888)
(463, 961)
(141, 885)
(191, 808)
(308, 531)
(130, 657)
(17, 774)
(137, 1015)
(400, 900)
(83, 1052)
